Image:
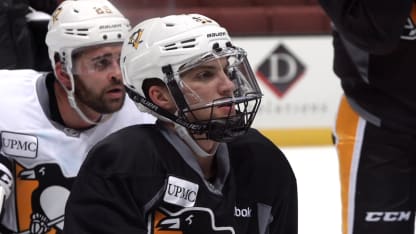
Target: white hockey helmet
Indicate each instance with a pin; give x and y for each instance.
(78, 24)
(81, 23)
(164, 48)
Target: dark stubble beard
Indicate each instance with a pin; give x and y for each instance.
(97, 101)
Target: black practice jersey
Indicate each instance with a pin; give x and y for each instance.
(144, 179)
(374, 57)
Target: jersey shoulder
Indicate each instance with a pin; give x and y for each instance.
(254, 152)
(255, 142)
(19, 96)
(129, 150)
(261, 169)
(18, 82)
(130, 113)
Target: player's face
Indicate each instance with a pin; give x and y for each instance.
(206, 83)
(98, 81)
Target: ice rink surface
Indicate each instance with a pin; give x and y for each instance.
(316, 171)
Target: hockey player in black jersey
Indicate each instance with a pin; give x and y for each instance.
(374, 57)
(200, 168)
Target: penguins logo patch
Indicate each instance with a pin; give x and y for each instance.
(409, 32)
(199, 220)
(41, 195)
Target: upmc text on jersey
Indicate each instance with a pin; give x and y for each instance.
(18, 144)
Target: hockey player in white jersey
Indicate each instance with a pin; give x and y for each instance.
(48, 122)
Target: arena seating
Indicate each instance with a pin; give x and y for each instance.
(240, 17)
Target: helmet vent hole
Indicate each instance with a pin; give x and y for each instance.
(79, 31)
(190, 43)
(188, 46)
(105, 37)
(171, 48)
(169, 25)
(119, 36)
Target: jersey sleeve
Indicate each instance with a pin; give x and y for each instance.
(372, 25)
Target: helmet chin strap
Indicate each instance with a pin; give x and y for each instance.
(184, 134)
(74, 105)
(72, 101)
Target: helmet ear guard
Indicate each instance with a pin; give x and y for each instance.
(165, 48)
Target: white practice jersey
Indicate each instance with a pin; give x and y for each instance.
(45, 155)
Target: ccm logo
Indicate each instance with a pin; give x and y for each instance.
(388, 216)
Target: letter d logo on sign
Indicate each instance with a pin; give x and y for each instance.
(181, 192)
(280, 70)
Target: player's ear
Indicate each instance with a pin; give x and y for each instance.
(159, 94)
